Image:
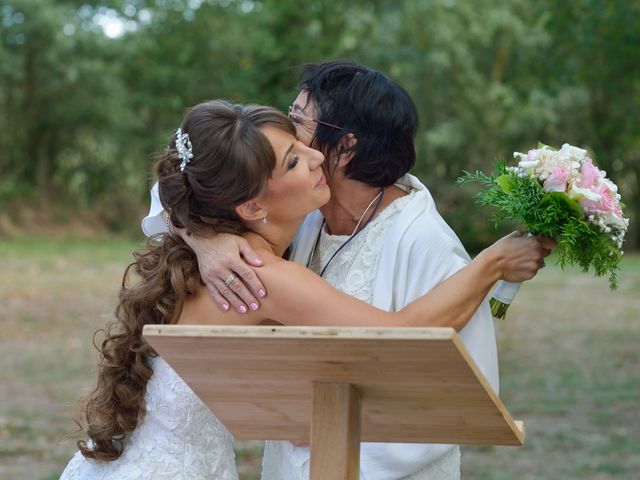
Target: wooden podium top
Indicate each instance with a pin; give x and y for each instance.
(416, 384)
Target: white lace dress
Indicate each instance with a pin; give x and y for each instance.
(352, 271)
(178, 439)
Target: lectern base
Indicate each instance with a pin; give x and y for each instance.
(335, 432)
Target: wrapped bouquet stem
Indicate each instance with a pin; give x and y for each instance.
(502, 297)
(559, 194)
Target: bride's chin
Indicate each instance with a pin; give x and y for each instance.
(325, 197)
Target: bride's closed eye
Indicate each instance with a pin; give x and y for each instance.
(293, 162)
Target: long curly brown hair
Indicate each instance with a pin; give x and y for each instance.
(153, 291)
(231, 164)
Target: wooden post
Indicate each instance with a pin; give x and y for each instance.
(335, 432)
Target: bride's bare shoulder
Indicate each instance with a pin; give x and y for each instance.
(264, 251)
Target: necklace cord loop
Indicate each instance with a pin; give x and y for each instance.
(380, 196)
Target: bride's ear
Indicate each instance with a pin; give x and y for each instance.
(250, 211)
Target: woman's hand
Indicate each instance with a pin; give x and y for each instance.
(228, 278)
(518, 257)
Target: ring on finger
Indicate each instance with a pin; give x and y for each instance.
(230, 279)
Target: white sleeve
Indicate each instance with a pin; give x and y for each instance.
(430, 257)
(429, 254)
(154, 223)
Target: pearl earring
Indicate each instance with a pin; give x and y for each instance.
(264, 220)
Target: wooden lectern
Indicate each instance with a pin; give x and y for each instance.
(347, 384)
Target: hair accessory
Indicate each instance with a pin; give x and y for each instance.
(185, 150)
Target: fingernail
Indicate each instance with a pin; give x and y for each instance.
(262, 293)
(242, 309)
(225, 306)
(254, 306)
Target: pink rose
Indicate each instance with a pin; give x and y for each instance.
(606, 204)
(589, 174)
(557, 180)
(617, 210)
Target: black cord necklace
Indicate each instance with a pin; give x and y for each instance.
(322, 272)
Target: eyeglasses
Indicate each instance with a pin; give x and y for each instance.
(299, 119)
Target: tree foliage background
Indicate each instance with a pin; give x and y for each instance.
(90, 89)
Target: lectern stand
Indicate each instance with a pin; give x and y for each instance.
(335, 387)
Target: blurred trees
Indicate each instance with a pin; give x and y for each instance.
(90, 89)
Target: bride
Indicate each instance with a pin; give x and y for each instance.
(235, 169)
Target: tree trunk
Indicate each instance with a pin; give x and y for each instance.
(43, 169)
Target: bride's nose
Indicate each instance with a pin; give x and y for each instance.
(317, 159)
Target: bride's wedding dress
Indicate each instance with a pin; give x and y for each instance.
(178, 438)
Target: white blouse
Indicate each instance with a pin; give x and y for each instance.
(353, 271)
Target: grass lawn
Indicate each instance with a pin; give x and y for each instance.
(569, 356)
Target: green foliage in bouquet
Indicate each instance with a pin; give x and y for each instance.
(551, 214)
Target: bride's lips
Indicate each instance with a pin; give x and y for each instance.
(322, 182)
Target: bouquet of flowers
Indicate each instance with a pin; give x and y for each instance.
(559, 194)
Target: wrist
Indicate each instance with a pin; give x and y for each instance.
(491, 263)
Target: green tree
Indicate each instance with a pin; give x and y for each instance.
(82, 112)
(592, 69)
(60, 80)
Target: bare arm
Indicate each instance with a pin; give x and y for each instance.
(299, 297)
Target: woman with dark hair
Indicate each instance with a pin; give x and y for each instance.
(379, 238)
(238, 169)
(377, 117)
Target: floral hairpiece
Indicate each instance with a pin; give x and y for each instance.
(185, 150)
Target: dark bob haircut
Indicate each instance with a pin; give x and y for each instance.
(378, 111)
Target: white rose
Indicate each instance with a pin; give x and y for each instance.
(612, 219)
(573, 153)
(528, 164)
(577, 193)
(609, 184)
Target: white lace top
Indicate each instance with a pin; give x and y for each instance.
(178, 439)
(353, 271)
